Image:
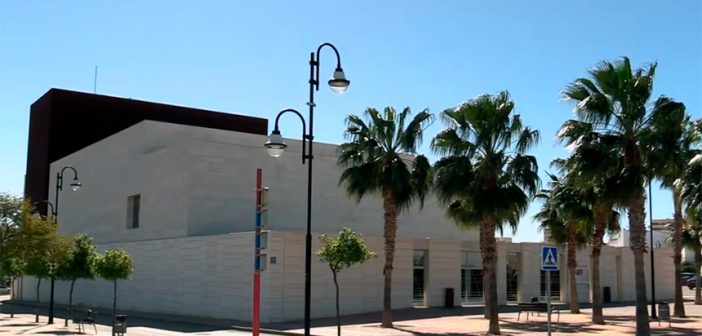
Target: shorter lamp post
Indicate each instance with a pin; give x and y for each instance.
(75, 185)
(49, 206)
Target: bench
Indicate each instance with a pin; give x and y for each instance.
(83, 315)
(536, 307)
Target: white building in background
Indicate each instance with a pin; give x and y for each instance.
(661, 232)
(180, 199)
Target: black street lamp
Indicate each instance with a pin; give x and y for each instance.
(75, 185)
(50, 206)
(653, 269)
(275, 146)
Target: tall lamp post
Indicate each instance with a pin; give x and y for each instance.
(275, 146)
(75, 185)
(653, 274)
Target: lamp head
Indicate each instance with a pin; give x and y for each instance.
(338, 82)
(275, 146)
(75, 185)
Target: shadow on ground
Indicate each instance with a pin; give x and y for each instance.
(134, 319)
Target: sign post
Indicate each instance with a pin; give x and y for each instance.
(549, 262)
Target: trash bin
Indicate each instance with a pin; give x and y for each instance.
(664, 312)
(120, 324)
(448, 297)
(607, 294)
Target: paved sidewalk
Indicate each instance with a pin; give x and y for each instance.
(620, 320)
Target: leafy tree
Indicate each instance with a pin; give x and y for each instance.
(114, 265)
(378, 159)
(14, 267)
(598, 193)
(10, 225)
(692, 238)
(80, 264)
(692, 180)
(485, 176)
(672, 142)
(612, 107)
(42, 248)
(344, 251)
(568, 219)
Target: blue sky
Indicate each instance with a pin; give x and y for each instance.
(251, 58)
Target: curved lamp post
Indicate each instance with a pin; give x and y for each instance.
(653, 269)
(275, 146)
(75, 185)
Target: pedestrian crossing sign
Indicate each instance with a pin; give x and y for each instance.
(549, 258)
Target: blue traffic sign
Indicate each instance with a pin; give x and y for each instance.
(549, 258)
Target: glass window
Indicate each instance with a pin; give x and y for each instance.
(418, 277)
(133, 204)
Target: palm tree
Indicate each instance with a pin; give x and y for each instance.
(378, 159)
(592, 168)
(485, 177)
(568, 219)
(692, 239)
(614, 102)
(671, 138)
(692, 181)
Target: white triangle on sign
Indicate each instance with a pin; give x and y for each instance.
(550, 260)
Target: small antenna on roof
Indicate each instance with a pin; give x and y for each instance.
(95, 81)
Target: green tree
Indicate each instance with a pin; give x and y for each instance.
(42, 248)
(378, 159)
(80, 264)
(565, 215)
(344, 251)
(114, 265)
(485, 176)
(587, 168)
(692, 239)
(613, 104)
(692, 180)
(672, 142)
(10, 225)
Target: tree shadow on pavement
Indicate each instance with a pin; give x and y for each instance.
(541, 326)
(417, 333)
(57, 332)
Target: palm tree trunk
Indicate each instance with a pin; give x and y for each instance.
(572, 264)
(486, 280)
(698, 264)
(36, 306)
(489, 253)
(70, 303)
(678, 306)
(338, 314)
(390, 230)
(638, 246)
(601, 214)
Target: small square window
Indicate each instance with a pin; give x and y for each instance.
(133, 204)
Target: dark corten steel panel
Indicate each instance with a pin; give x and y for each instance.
(62, 122)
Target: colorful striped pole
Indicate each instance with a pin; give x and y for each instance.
(256, 318)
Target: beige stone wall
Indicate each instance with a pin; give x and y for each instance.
(211, 276)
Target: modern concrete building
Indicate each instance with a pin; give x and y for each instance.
(176, 191)
(661, 233)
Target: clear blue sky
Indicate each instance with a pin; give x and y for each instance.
(251, 58)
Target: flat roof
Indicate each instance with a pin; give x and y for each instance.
(62, 122)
